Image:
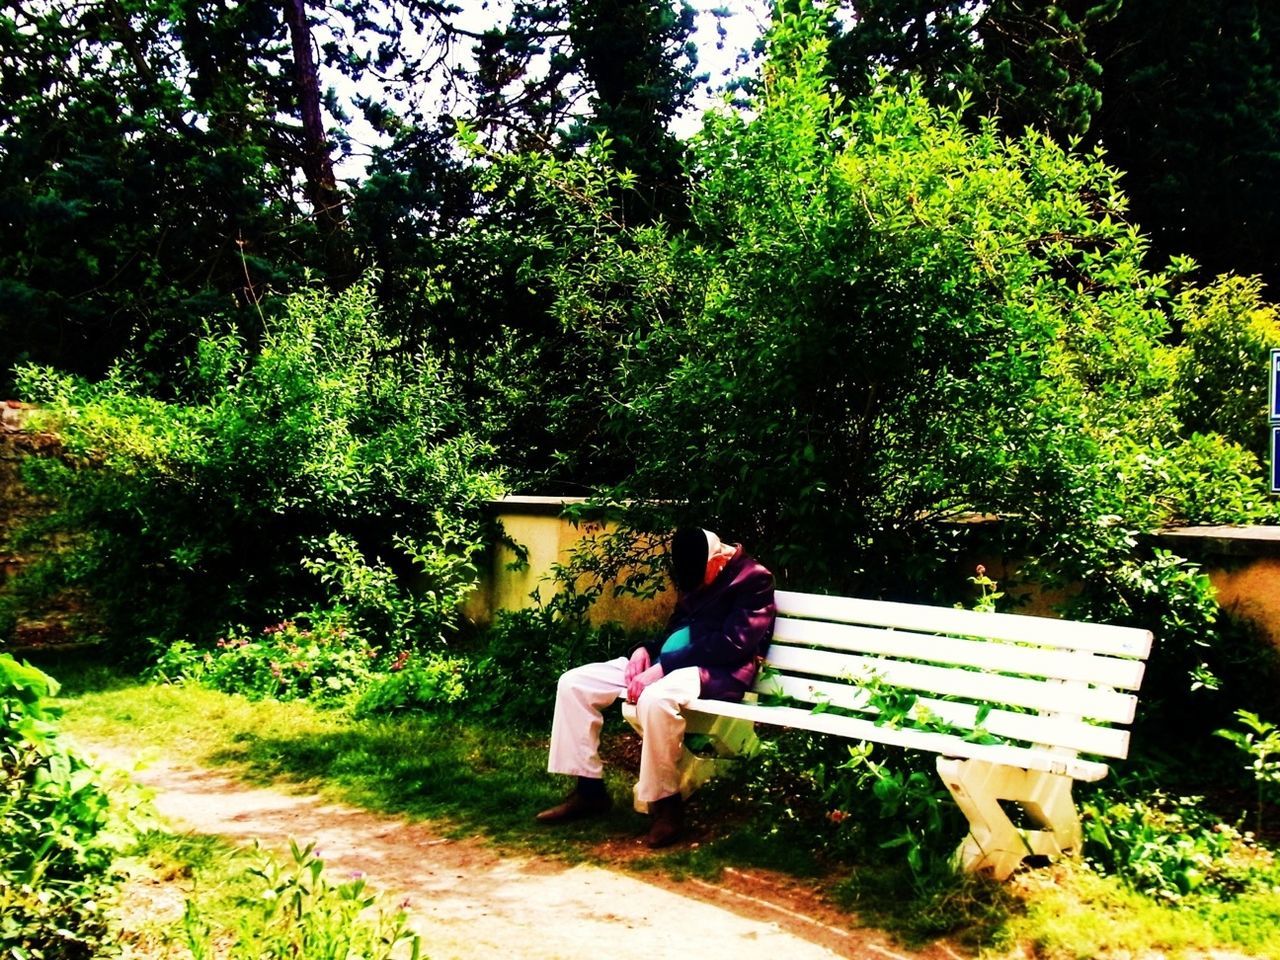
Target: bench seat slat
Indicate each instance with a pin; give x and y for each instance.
(1097, 704)
(1030, 728)
(940, 743)
(1042, 631)
(991, 655)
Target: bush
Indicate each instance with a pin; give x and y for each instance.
(1229, 331)
(1171, 848)
(314, 658)
(884, 316)
(55, 849)
(520, 657)
(423, 683)
(326, 463)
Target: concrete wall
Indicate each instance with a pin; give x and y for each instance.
(1243, 563)
(537, 524)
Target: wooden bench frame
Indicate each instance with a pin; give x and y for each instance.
(1055, 694)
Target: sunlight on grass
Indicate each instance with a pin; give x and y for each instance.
(466, 778)
(1071, 912)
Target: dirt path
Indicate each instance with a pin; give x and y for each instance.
(468, 900)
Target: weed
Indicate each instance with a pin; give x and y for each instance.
(296, 911)
(1261, 745)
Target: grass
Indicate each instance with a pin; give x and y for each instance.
(469, 778)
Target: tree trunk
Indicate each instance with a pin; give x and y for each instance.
(317, 163)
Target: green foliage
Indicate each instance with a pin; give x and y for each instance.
(882, 808)
(520, 656)
(988, 595)
(321, 661)
(879, 319)
(1033, 64)
(1260, 743)
(380, 604)
(299, 912)
(1173, 849)
(638, 56)
(55, 848)
(1191, 110)
(325, 457)
(1228, 332)
(426, 683)
(147, 181)
(914, 817)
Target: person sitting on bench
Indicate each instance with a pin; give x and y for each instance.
(711, 648)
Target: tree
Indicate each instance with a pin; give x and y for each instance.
(554, 78)
(168, 165)
(316, 159)
(878, 319)
(638, 60)
(147, 176)
(1029, 62)
(1191, 110)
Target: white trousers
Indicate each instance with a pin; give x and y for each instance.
(581, 696)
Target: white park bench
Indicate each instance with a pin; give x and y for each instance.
(1050, 697)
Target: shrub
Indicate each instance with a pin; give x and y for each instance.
(299, 912)
(55, 849)
(1229, 331)
(315, 658)
(520, 657)
(421, 683)
(328, 461)
(883, 316)
(1171, 848)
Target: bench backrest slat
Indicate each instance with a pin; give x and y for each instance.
(1071, 699)
(1041, 631)
(940, 743)
(991, 655)
(1024, 727)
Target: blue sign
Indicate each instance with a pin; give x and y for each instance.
(1274, 392)
(1275, 461)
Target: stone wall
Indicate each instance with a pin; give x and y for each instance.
(18, 507)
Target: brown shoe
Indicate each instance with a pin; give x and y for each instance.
(667, 827)
(577, 806)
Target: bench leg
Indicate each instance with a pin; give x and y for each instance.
(994, 844)
(729, 738)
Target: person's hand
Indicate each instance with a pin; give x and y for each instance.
(642, 680)
(637, 665)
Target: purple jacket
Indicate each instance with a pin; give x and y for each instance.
(730, 623)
